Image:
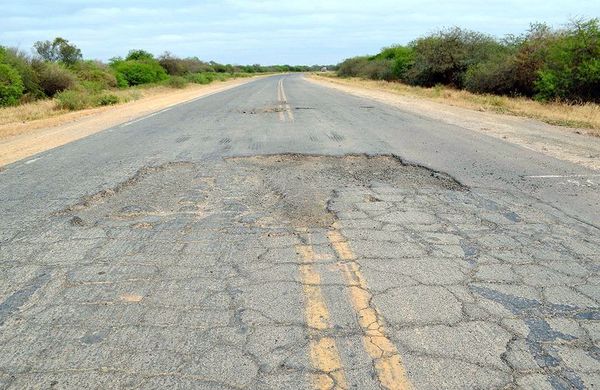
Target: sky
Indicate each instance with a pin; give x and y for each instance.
(266, 31)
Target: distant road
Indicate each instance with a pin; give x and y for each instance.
(282, 234)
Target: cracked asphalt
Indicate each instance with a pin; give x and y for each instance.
(282, 235)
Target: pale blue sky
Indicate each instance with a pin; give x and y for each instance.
(267, 31)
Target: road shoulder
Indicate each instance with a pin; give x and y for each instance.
(71, 128)
(547, 139)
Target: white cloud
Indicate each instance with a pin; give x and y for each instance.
(266, 31)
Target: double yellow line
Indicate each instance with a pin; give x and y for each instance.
(324, 353)
(283, 104)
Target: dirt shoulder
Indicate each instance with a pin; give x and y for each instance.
(568, 144)
(24, 139)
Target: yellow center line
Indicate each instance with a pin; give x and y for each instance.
(288, 109)
(386, 359)
(324, 354)
(279, 100)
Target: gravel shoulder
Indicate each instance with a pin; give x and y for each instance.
(559, 142)
(45, 134)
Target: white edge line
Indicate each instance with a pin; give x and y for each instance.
(558, 176)
(180, 103)
(32, 160)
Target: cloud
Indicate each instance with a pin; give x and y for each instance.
(266, 31)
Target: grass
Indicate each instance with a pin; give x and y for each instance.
(585, 116)
(47, 108)
(74, 100)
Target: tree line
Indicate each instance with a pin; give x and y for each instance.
(57, 69)
(544, 63)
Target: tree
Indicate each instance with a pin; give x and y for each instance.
(139, 55)
(444, 57)
(571, 68)
(59, 50)
(11, 86)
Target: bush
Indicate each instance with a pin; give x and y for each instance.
(200, 78)
(530, 56)
(55, 78)
(139, 55)
(571, 69)
(107, 100)
(23, 64)
(11, 86)
(138, 72)
(177, 82)
(444, 57)
(352, 67)
(73, 100)
(93, 87)
(495, 76)
(121, 80)
(95, 72)
(181, 66)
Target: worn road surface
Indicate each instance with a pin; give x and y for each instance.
(282, 235)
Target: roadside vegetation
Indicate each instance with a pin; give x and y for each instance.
(558, 67)
(56, 78)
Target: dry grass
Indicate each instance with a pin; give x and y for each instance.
(579, 116)
(48, 108)
(42, 113)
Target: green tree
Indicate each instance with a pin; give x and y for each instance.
(571, 69)
(59, 50)
(444, 57)
(11, 86)
(138, 72)
(139, 55)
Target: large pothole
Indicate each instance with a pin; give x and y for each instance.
(276, 190)
(295, 189)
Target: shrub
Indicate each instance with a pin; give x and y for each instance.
(378, 69)
(95, 72)
(495, 76)
(200, 78)
(139, 55)
(531, 53)
(352, 67)
(73, 100)
(55, 78)
(11, 86)
(444, 57)
(177, 82)
(181, 66)
(571, 68)
(402, 62)
(107, 100)
(93, 87)
(121, 80)
(138, 72)
(22, 63)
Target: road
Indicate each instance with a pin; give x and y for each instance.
(286, 235)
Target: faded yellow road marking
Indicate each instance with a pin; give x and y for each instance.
(135, 298)
(283, 104)
(288, 109)
(386, 359)
(280, 99)
(324, 354)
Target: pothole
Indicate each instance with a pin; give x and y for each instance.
(295, 189)
(285, 190)
(263, 110)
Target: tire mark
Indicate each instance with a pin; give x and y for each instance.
(15, 301)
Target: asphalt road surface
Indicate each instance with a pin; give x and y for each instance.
(285, 235)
